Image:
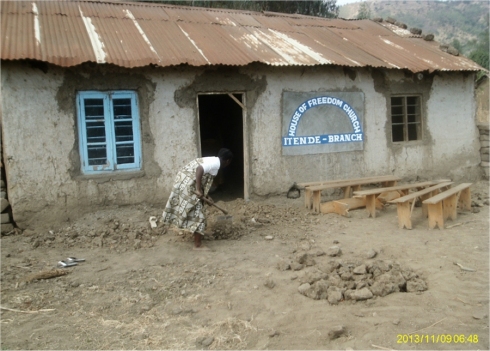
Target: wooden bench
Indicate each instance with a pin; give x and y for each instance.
(313, 190)
(444, 205)
(372, 194)
(405, 204)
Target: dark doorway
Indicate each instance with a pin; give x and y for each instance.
(221, 125)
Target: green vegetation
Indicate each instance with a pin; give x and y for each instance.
(319, 8)
(364, 11)
(452, 22)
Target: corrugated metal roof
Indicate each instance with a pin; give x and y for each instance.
(135, 34)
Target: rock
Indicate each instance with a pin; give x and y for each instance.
(416, 31)
(273, 333)
(383, 288)
(303, 288)
(334, 251)
(360, 269)
(269, 237)
(98, 242)
(327, 267)
(401, 25)
(295, 266)
(348, 294)
(416, 284)
(269, 283)
(283, 265)
(346, 276)
(336, 332)
(371, 254)
(334, 295)
(137, 244)
(429, 37)
(317, 253)
(306, 259)
(208, 341)
(318, 290)
(362, 294)
(395, 321)
(313, 277)
(361, 284)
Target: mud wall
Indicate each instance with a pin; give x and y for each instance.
(449, 146)
(41, 151)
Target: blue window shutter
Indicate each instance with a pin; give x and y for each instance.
(109, 131)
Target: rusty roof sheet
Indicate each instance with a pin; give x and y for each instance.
(136, 34)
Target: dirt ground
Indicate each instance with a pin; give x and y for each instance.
(277, 277)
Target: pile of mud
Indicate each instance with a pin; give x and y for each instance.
(355, 280)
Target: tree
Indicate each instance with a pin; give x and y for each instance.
(480, 54)
(457, 45)
(364, 11)
(319, 8)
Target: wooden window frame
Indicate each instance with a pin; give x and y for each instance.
(410, 115)
(108, 123)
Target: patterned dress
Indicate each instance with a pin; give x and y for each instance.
(184, 209)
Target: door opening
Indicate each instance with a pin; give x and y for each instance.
(221, 125)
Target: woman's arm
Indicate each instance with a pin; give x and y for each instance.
(199, 174)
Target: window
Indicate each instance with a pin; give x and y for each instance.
(406, 121)
(109, 131)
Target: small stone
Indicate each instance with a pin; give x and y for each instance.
(283, 265)
(208, 341)
(360, 269)
(295, 266)
(334, 251)
(371, 254)
(362, 294)
(269, 237)
(334, 297)
(304, 288)
(396, 321)
(273, 333)
(416, 285)
(269, 284)
(336, 332)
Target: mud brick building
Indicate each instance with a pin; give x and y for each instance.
(103, 101)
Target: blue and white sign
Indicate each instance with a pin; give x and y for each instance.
(322, 122)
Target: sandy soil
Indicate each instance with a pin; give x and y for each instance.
(278, 277)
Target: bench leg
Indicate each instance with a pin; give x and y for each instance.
(425, 211)
(371, 205)
(465, 200)
(436, 216)
(308, 203)
(449, 207)
(404, 210)
(317, 197)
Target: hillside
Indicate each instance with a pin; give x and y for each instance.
(462, 21)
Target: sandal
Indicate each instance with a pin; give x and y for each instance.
(66, 264)
(74, 259)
